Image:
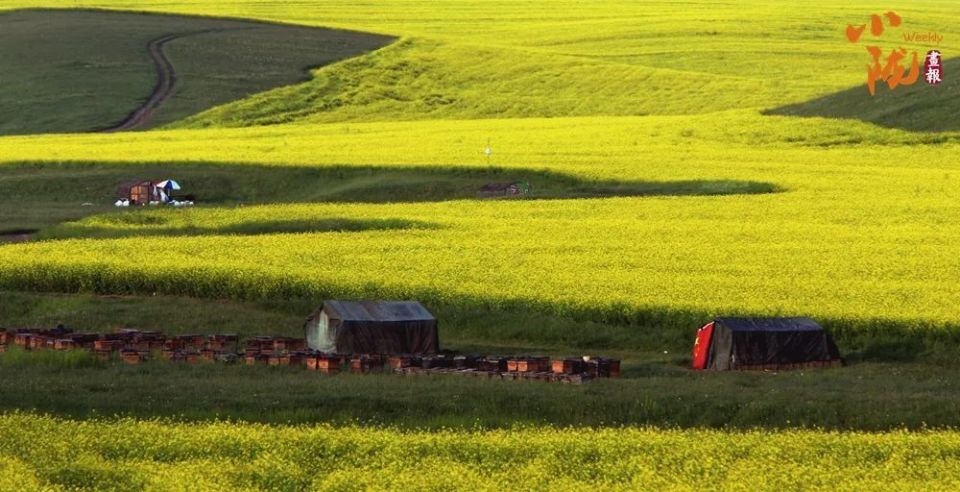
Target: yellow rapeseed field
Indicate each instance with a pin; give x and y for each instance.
(44, 453)
(862, 229)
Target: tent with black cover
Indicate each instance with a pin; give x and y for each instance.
(373, 327)
(764, 344)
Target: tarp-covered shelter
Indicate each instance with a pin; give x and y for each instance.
(372, 327)
(763, 343)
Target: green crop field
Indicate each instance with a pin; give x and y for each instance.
(687, 160)
(83, 70)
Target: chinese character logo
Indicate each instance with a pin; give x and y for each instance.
(932, 70)
(891, 70)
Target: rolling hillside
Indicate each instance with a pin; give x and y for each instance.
(687, 159)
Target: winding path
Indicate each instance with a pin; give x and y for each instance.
(166, 79)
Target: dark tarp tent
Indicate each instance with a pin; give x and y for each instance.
(763, 343)
(372, 327)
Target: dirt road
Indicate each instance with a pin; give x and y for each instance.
(166, 80)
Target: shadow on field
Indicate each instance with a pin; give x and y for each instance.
(917, 107)
(470, 323)
(37, 195)
(159, 225)
(216, 182)
(866, 397)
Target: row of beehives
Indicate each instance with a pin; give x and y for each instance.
(135, 346)
(565, 370)
(124, 340)
(569, 370)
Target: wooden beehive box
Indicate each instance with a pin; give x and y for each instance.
(139, 345)
(38, 342)
(603, 368)
(215, 344)
(365, 363)
(107, 345)
(493, 364)
(401, 361)
(174, 344)
(329, 363)
(192, 341)
(614, 368)
(465, 362)
(279, 360)
(222, 342)
(259, 343)
(567, 366)
(297, 358)
(297, 344)
(65, 344)
(132, 356)
(528, 364)
(22, 339)
(533, 364)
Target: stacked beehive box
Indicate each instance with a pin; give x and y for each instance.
(276, 351)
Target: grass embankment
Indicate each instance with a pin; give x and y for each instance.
(74, 70)
(865, 396)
